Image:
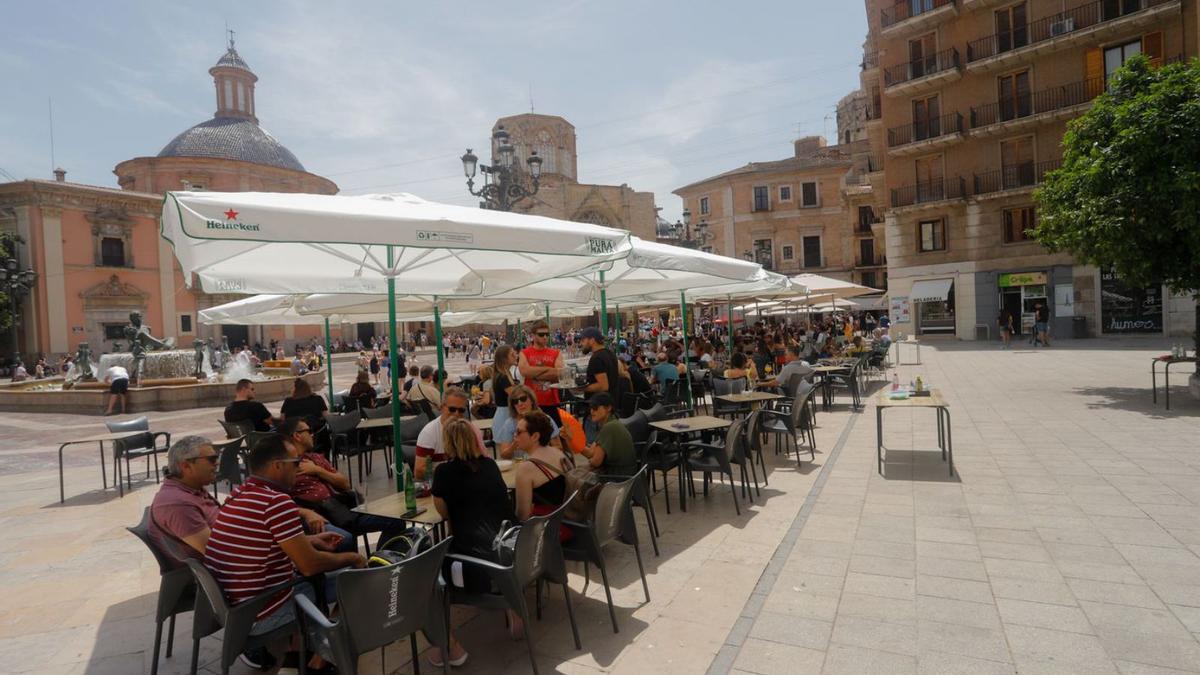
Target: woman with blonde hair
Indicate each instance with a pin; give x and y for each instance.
(469, 492)
(521, 400)
(484, 407)
(505, 376)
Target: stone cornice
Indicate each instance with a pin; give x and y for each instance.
(82, 197)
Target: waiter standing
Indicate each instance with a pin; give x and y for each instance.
(541, 365)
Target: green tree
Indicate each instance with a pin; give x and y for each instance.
(1128, 194)
(8, 248)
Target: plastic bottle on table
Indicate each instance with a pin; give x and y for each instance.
(895, 382)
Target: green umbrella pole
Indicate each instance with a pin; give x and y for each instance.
(547, 316)
(441, 354)
(603, 308)
(394, 376)
(329, 362)
(618, 317)
(729, 328)
(520, 337)
(686, 366)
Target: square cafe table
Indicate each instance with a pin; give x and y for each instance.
(933, 400)
(1166, 361)
(392, 506)
(101, 440)
(688, 425)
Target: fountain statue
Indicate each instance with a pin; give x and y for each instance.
(140, 338)
(198, 346)
(83, 363)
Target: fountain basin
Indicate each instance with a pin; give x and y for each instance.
(90, 398)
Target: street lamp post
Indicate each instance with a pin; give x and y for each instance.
(691, 237)
(15, 284)
(504, 183)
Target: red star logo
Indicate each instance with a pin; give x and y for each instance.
(230, 214)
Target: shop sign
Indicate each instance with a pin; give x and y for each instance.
(900, 312)
(1128, 310)
(1021, 279)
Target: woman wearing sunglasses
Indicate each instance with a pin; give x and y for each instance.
(520, 401)
(506, 375)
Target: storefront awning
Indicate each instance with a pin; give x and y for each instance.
(932, 290)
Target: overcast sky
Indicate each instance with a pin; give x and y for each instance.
(385, 96)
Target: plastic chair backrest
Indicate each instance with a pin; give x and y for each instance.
(538, 539)
(381, 605)
(166, 562)
(735, 449)
(637, 425)
(722, 386)
(375, 413)
(609, 510)
(254, 437)
(236, 429)
(211, 589)
(655, 413)
(229, 461)
(340, 424)
(136, 442)
(754, 430)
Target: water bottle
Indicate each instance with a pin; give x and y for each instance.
(895, 382)
(410, 495)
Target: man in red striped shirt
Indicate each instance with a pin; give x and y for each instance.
(258, 539)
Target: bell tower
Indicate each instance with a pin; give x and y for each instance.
(234, 82)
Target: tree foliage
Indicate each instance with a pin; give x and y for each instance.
(1128, 193)
(8, 247)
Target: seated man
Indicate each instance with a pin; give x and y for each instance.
(794, 366)
(245, 409)
(182, 509)
(425, 389)
(430, 448)
(318, 485)
(613, 452)
(258, 540)
(666, 369)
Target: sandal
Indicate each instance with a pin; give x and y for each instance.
(435, 659)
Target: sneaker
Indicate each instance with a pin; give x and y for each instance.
(258, 658)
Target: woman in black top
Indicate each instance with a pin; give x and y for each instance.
(362, 391)
(469, 492)
(303, 402)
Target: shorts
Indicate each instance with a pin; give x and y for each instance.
(1041, 326)
(119, 386)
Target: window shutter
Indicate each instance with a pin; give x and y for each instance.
(1152, 47)
(1094, 70)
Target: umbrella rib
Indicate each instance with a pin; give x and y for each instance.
(325, 248)
(201, 268)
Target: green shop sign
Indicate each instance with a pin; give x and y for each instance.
(1021, 279)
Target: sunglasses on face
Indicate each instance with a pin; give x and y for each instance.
(522, 399)
(542, 334)
(456, 409)
(304, 431)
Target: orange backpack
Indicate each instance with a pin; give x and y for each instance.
(571, 432)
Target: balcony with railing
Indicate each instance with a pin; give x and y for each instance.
(1045, 105)
(870, 60)
(1015, 177)
(913, 15)
(877, 261)
(923, 73)
(925, 134)
(1059, 31)
(940, 190)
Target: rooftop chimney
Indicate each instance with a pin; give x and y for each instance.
(60, 175)
(808, 146)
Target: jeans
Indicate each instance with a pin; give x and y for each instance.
(287, 613)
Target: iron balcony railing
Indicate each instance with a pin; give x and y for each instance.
(933, 64)
(932, 191)
(901, 11)
(877, 261)
(1055, 25)
(1045, 101)
(950, 123)
(870, 60)
(1025, 174)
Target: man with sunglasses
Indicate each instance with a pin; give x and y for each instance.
(541, 365)
(183, 510)
(430, 449)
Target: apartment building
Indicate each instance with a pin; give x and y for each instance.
(787, 215)
(863, 189)
(968, 101)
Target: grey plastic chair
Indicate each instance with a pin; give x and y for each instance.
(796, 420)
(176, 588)
(213, 612)
(851, 382)
(712, 459)
(345, 441)
(611, 520)
(537, 557)
(139, 445)
(376, 440)
(723, 386)
(231, 464)
(236, 429)
(378, 606)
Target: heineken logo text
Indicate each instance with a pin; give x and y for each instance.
(231, 225)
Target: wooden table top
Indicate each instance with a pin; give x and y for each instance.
(688, 424)
(933, 400)
(749, 397)
(383, 422)
(830, 369)
(392, 505)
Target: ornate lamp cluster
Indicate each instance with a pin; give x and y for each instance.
(16, 284)
(689, 236)
(504, 183)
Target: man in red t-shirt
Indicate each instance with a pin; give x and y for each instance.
(542, 365)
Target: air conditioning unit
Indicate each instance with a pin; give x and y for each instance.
(1062, 27)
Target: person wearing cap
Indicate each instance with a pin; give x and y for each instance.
(602, 373)
(612, 453)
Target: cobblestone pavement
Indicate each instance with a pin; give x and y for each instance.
(1069, 541)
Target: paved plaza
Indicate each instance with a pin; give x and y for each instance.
(1068, 541)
